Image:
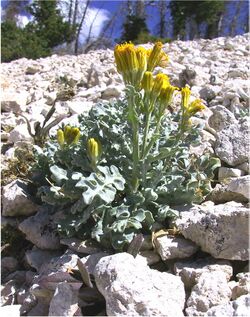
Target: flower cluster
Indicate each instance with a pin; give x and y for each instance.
(69, 135)
(136, 65)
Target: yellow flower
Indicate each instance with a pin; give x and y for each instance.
(60, 137)
(166, 94)
(147, 81)
(185, 93)
(157, 57)
(94, 150)
(141, 54)
(161, 81)
(131, 62)
(69, 135)
(195, 107)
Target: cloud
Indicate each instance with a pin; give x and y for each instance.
(94, 21)
(22, 21)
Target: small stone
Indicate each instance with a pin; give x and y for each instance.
(112, 92)
(240, 185)
(41, 231)
(8, 293)
(226, 172)
(16, 201)
(174, 247)
(243, 286)
(232, 144)
(221, 118)
(8, 265)
(211, 289)
(220, 230)
(244, 167)
(64, 301)
(20, 133)
(238, 307)
(86, 246)
(12, 100)
(31, 70)
(191, 270)
(36, 257)
(151, 256)
(130, 287)
(91, 260)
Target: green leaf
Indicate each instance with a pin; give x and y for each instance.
(102, 186)
(58, 174)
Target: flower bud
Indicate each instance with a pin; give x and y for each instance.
(60, 137)
(185, 93)
(195, 107)
(161, 81)
(166, 94)
(93, 149)
(147, 81)
(154, 56)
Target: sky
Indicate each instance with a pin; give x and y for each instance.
(101, 10)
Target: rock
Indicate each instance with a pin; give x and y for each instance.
(191, 270)
(240, 185)
(220, 230)
(20, 133)
(64, 301)
(78, 107)
(112, 92)
(151, 256)
(232, 144)
(86, 246)
(8, 265)
(238, 307)
(90, 261)
(244, 167)
(12, 100)
(28, 303)
(243, 286)
(187, 76)
(211, 289)
(16, 201)
(56, 271)
(36, 257)
(8, 292)
(40, 309)
(221, 118)
(209, 92)
(31, 70)
(10, 310)
(174, 247)
(130, 287)
(226, 172)
(40, 230)
(220, 195)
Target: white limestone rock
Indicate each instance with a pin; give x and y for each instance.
(221, 118)
(20, 133)
(16, 201)
(211, 289)
(174, 247)
(191, 270)
(232, 145)
(130, 287)
(238, 307)
(243, 285)
(220, 230)
(226, 172)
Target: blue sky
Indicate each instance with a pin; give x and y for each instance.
(106, 8)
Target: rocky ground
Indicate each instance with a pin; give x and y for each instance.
(203, 271)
